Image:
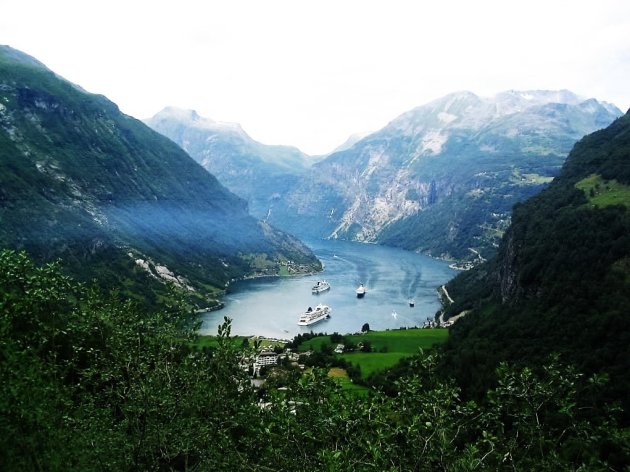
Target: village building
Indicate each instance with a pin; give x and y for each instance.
(267, 358)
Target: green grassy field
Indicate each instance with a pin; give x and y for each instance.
(395, 345)
(341, 377)
(398, 344)
(211, 341)
(388, 347)
(604, 193)
(370, 362)
(404, 340)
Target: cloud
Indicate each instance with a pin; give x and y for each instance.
(312, 73)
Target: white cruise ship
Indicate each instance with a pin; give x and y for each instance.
(312, 316)
(320, 286)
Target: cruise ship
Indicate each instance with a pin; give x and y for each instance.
(320, 286)
(312, 316)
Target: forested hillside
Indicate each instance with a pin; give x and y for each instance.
(561, 280)
(117, 201)
(88, 382)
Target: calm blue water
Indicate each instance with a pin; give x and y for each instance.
(271, 307)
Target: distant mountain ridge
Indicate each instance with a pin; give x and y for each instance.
(439, 179)
(348, 143)
(252, 170)
(118, 201)
(442, 178)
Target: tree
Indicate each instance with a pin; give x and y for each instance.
(88, 382)
(365, 328)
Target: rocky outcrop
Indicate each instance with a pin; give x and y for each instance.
(443, 177)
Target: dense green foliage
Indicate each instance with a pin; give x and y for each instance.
(561, 281)
(82, 181)
(92, 383)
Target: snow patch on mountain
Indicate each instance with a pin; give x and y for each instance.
(446, 117)
(377, 159)
(432, 142)
(351, 141)
(192, 119)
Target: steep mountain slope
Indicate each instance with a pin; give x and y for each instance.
(561, 279)
(116, 200)
(443, 177)
(257, 172)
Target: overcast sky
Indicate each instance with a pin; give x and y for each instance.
(310, 73)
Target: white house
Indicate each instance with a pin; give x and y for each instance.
(267, 358)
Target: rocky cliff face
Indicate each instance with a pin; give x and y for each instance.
(443, 177)
(507, 275)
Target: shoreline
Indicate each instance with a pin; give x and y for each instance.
(221, 305)
(245, 315)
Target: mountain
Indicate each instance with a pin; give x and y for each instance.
(351, 141)
(443, 177)
(118, 202)
(561, 279)
(256, 172)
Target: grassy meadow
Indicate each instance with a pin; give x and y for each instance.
(603, 193)
(388, 347)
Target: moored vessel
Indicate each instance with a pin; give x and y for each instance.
(320, 286)
(312, 316)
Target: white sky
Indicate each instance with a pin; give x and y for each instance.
(310, 73)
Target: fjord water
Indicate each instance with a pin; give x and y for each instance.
(271, 306)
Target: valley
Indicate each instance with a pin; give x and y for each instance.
(440, 179)
(118, 246)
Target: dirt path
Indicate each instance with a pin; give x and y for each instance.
(452, 319)
(443, 288)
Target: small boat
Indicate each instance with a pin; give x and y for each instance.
(312, 316)
(412, 302)
(361, 291)
(320, 286)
